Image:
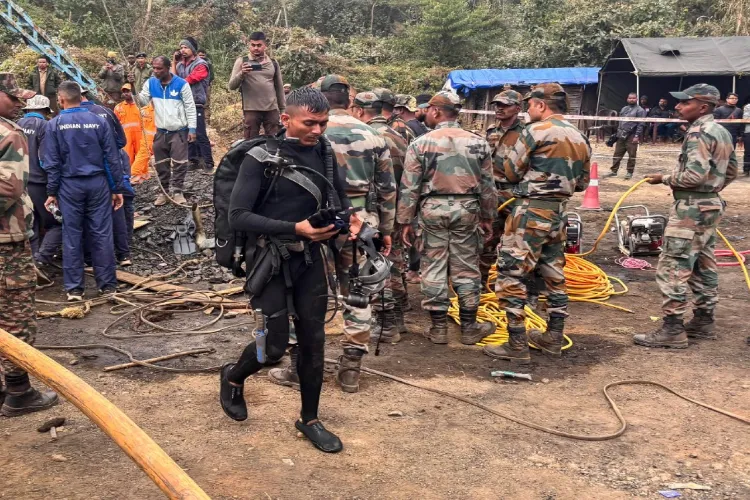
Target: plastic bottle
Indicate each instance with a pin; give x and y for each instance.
(260, 335)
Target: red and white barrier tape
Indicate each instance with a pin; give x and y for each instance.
(612, 118)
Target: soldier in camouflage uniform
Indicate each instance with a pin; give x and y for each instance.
(448, 181)
(17, 272)
(367, 109)
(364, 155)
(387, 100)
(549, 162)
(502, 137)
(707, 164)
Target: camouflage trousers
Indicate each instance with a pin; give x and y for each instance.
(488, 257)
(398, 267)
(534, 236)
(450, 243)
(687, 258)
(357, 321)
(17, 288)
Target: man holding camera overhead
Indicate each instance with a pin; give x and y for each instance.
(258, 77)
(112, 76)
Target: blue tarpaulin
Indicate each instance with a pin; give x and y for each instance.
(466, 80)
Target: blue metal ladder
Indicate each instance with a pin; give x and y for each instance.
(18, 21)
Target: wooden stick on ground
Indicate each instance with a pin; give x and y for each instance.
(167, 475)
(156, 360)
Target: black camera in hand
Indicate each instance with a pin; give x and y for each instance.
(612, 140)
(327, 216)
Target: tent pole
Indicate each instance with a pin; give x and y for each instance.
(734, 83)
(598, 93)
(638, 86)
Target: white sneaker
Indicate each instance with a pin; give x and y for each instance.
(75, 295)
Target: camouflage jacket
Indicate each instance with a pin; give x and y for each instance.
(550, 160)
(448, 160)
(402, 128)
(363, 154)
(502, 143)
(396, 144)
(707, 162)
(15, 205)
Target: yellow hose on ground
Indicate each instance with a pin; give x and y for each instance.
(585, 282)
(612, 216)
(738, 257)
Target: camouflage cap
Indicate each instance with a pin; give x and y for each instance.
(385, 96)
(406, 101)
(365, 99)
(700, 92)
(325, 83)
(546, 92)
(508, 97)
(9, 86)
(37, 102)
(447, 100)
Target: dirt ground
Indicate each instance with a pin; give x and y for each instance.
(439, 448)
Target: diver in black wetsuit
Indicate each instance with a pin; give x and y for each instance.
(280, 217)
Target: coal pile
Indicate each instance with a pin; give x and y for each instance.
(152, 249)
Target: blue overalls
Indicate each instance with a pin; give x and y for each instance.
(122, 220)
(83, 170)
(47, 239)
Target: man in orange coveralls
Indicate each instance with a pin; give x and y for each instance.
(138, 150)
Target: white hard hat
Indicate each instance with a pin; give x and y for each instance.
(37, 102)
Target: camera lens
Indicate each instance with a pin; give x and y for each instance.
(358, 301)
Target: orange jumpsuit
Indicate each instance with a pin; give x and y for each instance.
(127, 113)
(140, 155)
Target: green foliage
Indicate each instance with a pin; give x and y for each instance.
(407, 45)
(448, 32)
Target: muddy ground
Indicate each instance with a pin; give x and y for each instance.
(439, 448)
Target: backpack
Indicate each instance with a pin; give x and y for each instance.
(224, 179)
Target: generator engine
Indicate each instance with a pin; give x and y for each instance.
(575, 233)
(641, 234)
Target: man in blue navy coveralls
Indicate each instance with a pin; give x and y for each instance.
(85, 179)
(122, 222)
(47, 239)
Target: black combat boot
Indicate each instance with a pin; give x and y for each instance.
(287, 376)
(405, 304)
(515, 350)
(702, 325)
(398, 314)
(232, 396)
(21, 398)
(549, 342)
(350, 364)
(438, 332)
(471, 331)
(671, 334)
(387, 325)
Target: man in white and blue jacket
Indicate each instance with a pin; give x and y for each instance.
(176, 119)
(85, 179)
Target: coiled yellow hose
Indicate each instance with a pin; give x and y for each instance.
(585, 282)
